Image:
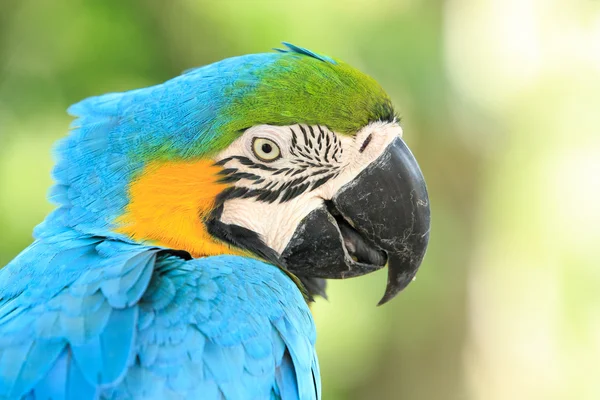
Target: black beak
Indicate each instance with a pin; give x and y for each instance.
(381, 217)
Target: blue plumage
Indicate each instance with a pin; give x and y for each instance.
(115, 134)
(88, 313)
(125, 321)
(109, 301)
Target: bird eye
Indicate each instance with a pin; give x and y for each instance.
(265, 149)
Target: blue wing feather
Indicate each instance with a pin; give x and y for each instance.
(118, 320)
(85, 312)
(64, 381)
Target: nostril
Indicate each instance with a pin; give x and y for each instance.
(365, 143)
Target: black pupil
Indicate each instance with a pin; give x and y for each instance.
(266, 147)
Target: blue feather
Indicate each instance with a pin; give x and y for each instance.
(130, 321)
(105, 359)
(300, 50)
(54, 385)
(64, 382)
(87, 313)
(286, 380)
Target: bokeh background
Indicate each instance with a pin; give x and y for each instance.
(500, 102)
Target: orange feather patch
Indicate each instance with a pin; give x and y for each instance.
(168, 204)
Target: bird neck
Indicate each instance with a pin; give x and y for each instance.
(168, 202)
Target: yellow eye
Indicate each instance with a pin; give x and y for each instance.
(265, 149)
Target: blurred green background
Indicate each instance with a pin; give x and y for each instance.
(500, 102)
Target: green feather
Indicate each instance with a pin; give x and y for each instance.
(301, 88)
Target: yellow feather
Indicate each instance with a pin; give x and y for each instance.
(168, 204)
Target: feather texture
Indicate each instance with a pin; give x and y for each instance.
(125, 321)
(88, 313)
(194, 116)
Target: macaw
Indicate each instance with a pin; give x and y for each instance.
(196, 220)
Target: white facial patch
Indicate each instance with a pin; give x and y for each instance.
(271, 198)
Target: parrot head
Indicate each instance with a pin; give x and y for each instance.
(291, 157)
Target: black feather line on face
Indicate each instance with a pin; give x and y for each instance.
(234, 177)
(320, 148)
(321, 181)
(246, 162)
(280, 171)
(365, 143)
(294, 139)
(306, 141)
(322, 135)
(237, 235)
